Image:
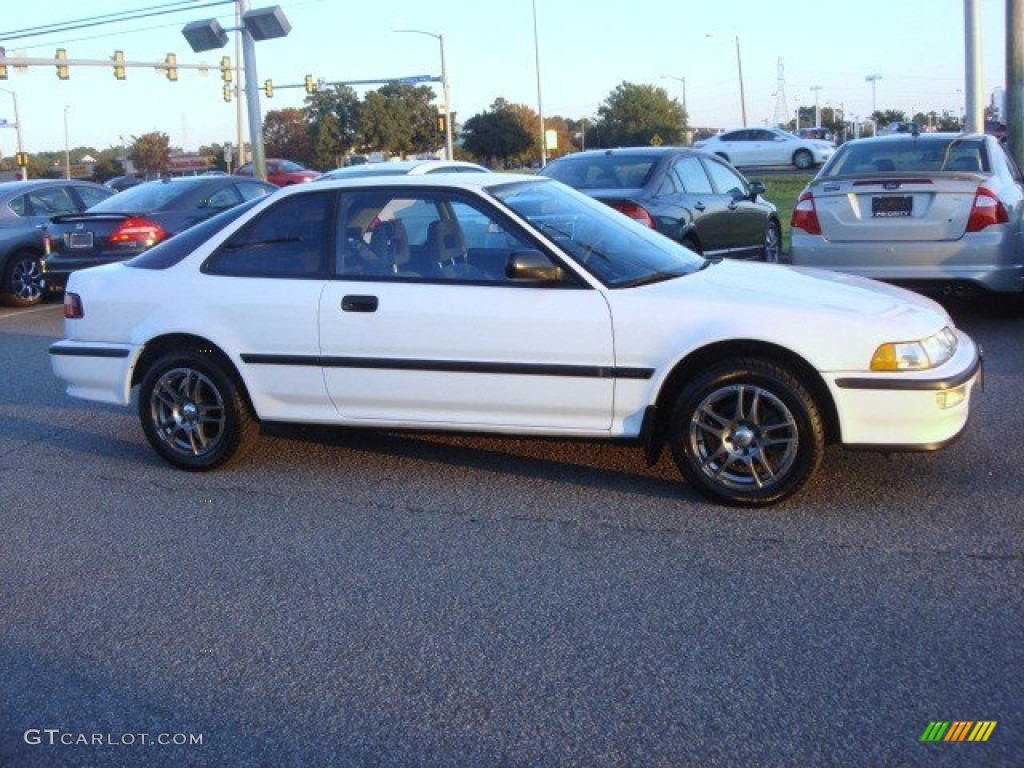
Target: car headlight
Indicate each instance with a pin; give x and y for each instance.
(915, 355)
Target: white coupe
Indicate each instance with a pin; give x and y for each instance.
(508, 304)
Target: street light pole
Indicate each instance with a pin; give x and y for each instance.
(686, 115)
(23, 169)
(449, 149)
(252, 98)
(540, 100)
(817, 110)
(739, 68)
(67, 146)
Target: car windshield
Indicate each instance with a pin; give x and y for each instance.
(615, 171)
(906, 155)
(151, 196)
(288, 166)
(615, 249)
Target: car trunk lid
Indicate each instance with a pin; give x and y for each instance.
(896, 207)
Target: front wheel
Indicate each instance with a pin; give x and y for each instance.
(803, 159)
(746, 433)
(22, 280)
(193, 411)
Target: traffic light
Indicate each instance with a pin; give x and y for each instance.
(62, 69)
(119, 71)
(225, 68)
(22, 158)
(310, 86)
(226, 91)
(268, 88)
(3, 67)
(172, 70)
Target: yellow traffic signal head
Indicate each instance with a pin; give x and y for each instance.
(172, 70)
(62, 69)
(119, 70)
(225, 68)
(310, 86)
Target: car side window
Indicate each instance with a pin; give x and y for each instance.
(761, 135)
(735, 136)
(433, 236)
(690, 173)
(19, 205)
(250, 191)
(91, 196)
(51, 202)
(285, 240)
(225, 197)
(726, 181)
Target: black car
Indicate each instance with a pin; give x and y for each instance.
(693, 197)
(25, 210)
(132, 221)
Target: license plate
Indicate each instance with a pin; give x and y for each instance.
(892, 206)
(79, 239)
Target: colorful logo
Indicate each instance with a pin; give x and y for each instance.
(958, 730)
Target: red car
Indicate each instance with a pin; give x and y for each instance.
(283, 173)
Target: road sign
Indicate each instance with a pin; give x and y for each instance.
(415, 79)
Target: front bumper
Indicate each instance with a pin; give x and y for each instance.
(919, 411)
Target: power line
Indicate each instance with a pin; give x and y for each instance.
(95, 21)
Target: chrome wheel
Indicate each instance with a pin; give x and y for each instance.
(746, 432)
(772, 244)
(187, 412)
(24, 283)
(193, 409)
(803, 159)
(744, 437)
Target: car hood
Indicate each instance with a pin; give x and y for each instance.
(834, 320)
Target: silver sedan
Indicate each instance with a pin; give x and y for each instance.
(939, 212)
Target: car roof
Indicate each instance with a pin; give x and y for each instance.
(467, 181)
(922, 136)
(641, 151)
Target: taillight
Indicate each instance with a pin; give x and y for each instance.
(986, 210)
(138, 230)
(46, 245)
(635, 212)
(805, 216)
(73, 308)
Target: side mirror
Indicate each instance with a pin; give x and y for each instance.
(757, 188)
(532, 265)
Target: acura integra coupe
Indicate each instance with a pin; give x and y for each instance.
(507, 304)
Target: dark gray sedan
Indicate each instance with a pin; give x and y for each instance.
(692, 197)
(25, 210)
(132, 221)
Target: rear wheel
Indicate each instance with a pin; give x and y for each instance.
(22, 280)
(772, 251)
(746, 433)
(193, 411)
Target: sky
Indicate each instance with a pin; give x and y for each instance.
(585, 49)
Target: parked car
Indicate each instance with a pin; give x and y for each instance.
(403, 167)
(512, 304)
(937, 212)
(693, 197)
(132, 221)
(121, 183)
(816, 132)
(282, 173)
(25, 210)
(767, 146)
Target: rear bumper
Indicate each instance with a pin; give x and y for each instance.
(95, 371)
(990, 264)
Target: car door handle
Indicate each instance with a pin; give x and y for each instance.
(700, 207)
(359, 304)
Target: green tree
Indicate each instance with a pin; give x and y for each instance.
(497, 135)
(333, 117)
(400, 119)
(150, 151)
(286, 134)
(633, 115)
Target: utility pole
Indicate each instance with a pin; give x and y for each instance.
(1014, 116)
(974, 114)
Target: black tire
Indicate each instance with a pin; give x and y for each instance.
(193, 410)
(22, 280)
(746, 432)
(771, 252)
(803, 159)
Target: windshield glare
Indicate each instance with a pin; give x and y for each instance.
(615, 249)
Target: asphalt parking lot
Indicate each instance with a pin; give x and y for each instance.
(382, 599)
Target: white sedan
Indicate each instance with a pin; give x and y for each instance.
(508, 304)
(767, 146)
